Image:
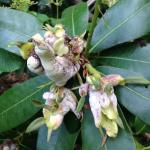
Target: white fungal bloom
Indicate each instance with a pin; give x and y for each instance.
(104, 110)
(34, 65)
(94, 100)
(54, 118)
(83, 89)
(58, 69)
(52, 51)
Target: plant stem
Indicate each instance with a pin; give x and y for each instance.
(92, 26)
(57, 10)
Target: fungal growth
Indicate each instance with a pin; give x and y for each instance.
(61, 57)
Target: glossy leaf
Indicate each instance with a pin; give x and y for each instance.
(140, 127)
(125, 21)
(131, 57)
(75, 19)
(91, 138)
(139, 146)
(5, 1)
(16, 25)
(135, 98)
(16, 104)
(9, 62)
(43, 2)
(63, 138)
(106, 70)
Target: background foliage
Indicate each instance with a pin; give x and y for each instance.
(120, 44)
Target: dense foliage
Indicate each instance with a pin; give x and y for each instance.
(116, 36)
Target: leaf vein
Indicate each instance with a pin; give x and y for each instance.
(21, 101)
(127, 59)
(119, 25)
(72, 19)
(135, 92)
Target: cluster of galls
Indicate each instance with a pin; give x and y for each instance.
(103, 101)
(56, 54)
(59, 57)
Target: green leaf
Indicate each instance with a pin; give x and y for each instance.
(9, 62)
(16, 26)
(5, 1)
(75, 19)
(135, 98)
(139, 146)
(41, 17)
(91, 139)
(140, 127)
(125, 21)
(43, 2)
(16, 104)
(130, 57)
(106, 70)
(63, 138)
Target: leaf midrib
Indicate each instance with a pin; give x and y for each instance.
(15, 31)
(135, 92)
(21, 101)
(72, 19)
(118, 26)
(126, 59)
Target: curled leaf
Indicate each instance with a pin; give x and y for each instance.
(37, 123)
